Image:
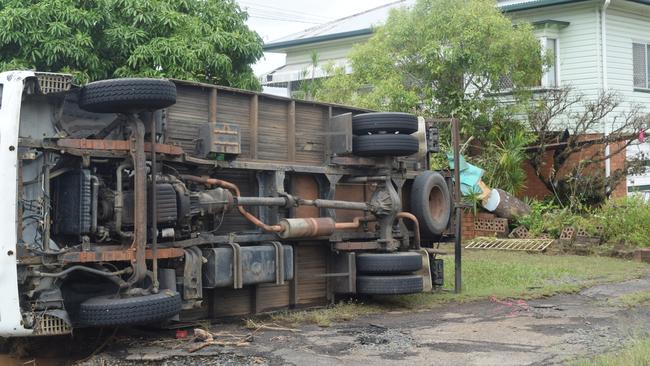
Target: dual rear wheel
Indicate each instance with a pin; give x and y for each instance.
(384, 134)
(389, 273)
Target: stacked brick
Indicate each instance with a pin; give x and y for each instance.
(483, 224)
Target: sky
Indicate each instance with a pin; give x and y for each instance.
(273, 19)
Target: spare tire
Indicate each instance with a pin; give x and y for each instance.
(104, 311)
(388, 263)
(431, 203)
(385, 145)
(389, 285)
(127, 95)
(389, 122)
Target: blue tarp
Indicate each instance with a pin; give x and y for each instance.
(470, 175)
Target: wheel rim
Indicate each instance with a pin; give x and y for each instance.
(436, 203)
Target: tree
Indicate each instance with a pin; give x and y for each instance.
(201, 40)
(569, 162)
(441, 57)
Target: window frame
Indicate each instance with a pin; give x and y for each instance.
(646, 67)
(545, 82)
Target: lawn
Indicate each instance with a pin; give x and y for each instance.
(504, 274)
(486, 274)
(635, 354)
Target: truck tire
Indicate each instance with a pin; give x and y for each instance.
(384, 145)
(104, 311)
(127, 95)
(389, 122)
(389, 285)
(431, 203)
(388, 263)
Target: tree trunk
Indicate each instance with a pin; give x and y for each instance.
(509, 206)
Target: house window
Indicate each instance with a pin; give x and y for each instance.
(549, 79)
(641, 66)
(550, 76)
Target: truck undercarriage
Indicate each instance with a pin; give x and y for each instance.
(145, 200)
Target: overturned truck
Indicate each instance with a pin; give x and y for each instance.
(133, 201)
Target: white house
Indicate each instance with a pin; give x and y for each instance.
(598, 45)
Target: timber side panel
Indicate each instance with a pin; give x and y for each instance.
(311, 257)
(231, 302)
(311, 125)
(235, 108)
(272, 138)
(271, 296)
(338, 110)
(312, 264)
(355, 192)
(186, 116)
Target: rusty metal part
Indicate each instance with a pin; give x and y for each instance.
(356, 245)
(46, 208)
(154, 206)
(262, 201)
(140, 200)
(110, 254)
(116, 145)
(93, 203)
(346, 205)
(416, 226)
(279, 262)
(79, 268)
(237, 268)
(458, 248)
(119, 201)
(378, 178)
(355, 224)
(192, 279)
(232, 187)
(307, 227)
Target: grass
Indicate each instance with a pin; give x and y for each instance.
(343, 311)
(635, 354)
(632, 299)
(488, 274)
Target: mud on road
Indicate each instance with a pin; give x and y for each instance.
(538, 332)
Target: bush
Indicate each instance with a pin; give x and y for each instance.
(547, 217)
(626, 221)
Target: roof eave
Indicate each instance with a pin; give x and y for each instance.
(537, 5)
(278, 46)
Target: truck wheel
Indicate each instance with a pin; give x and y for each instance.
(127, 95)
(384, 145)
(389, 122)
(388, 263)
(389, 285)
(109, 311)
(431, 203)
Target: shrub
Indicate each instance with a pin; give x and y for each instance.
(626, 221)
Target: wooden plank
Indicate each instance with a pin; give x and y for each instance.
(254, 124)
(272, 134)
(291, 131)
(212, 107)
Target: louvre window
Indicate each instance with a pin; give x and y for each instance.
(641, 67)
